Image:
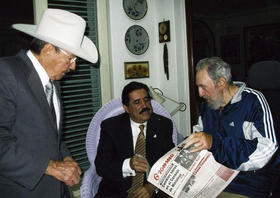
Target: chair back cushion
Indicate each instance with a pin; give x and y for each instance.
(265, 77)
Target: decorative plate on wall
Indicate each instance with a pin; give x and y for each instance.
(137, 39)
(135, 9)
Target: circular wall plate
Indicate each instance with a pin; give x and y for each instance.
(135, 9)
(137, 39)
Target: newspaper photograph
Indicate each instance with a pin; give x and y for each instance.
(180, 173)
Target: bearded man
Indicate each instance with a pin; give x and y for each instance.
(236, 125)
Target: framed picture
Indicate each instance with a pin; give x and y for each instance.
(230, 48)
(262, 43)
(136, 70)
(164, 31)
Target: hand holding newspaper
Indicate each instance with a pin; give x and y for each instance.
(180, 173)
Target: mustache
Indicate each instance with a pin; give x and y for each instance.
(144, 109)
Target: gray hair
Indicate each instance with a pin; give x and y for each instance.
(216, 69)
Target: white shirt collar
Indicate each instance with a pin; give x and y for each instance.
(138, 124)
(39, 68)
(135, 128)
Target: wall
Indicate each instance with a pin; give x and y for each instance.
(177, 85)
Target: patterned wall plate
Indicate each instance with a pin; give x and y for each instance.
(137, 39)
(135, 9)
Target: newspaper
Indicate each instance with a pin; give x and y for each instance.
(180, 173)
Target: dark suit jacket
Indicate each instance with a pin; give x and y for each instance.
(116, 145)
(28, 135)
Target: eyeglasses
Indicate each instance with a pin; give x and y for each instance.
(71, 60)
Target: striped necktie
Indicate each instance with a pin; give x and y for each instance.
(49, 94)
(140, 149)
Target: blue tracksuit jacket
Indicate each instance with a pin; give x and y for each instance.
(243, 139)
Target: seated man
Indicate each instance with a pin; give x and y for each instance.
(236, 125)
(126, 150)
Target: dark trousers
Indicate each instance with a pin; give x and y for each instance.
(65, 191)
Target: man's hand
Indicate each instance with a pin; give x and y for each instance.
(138, 163)
(145, 191)
(200, 141)
(67, 171)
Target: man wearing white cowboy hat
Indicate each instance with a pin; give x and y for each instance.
(34, 161)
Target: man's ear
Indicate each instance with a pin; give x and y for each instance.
(48, 49)
(49, 46)
(221, 82)
(126, 108)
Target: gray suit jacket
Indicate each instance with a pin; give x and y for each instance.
(28, 135)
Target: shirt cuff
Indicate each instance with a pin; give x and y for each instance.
(126, 169)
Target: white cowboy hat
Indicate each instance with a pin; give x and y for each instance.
(64, 30)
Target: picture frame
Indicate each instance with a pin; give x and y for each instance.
(136, 70)
(262, 42)
(164, 31)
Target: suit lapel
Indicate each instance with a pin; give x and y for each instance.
(152, 129)
(36, 87)
(126, 138)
